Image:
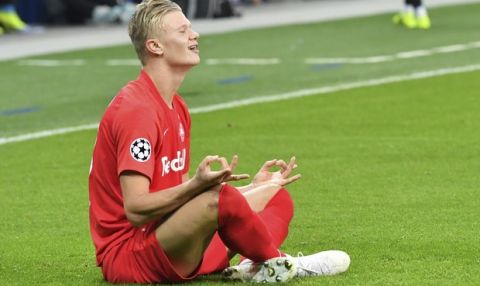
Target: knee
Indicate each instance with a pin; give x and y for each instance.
(209, 204)
(212, 200)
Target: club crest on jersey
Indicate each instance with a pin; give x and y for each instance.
(181, 132)
(141, 149)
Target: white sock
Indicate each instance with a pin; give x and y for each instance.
(408, 9)
(421, 11)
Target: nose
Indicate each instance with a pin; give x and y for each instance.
(195, 35)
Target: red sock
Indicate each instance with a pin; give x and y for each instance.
(241, 229)
(277, 216)
(215, 258)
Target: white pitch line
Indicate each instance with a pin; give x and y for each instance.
(123, 62)
(414, 54)
(334, 88)
(46, 133)
(269, 98)
(51, 63)
(397, 56)
(272, 61)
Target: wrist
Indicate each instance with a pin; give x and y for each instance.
(195, 184)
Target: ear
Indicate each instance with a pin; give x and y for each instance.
(154, 47)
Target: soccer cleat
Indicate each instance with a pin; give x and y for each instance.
(278, 269)
(11, 22)
(406, 19)
(323, 263)
(241, 272)
(423, 22)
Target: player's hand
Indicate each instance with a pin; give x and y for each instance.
(281, 177)
(236, 177)
(207, 177)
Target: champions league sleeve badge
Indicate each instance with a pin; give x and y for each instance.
(141, 149)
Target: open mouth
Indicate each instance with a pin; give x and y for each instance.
(193, 48)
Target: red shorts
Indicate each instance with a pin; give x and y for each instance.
(140, 259)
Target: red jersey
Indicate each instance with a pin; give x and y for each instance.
(138, 132)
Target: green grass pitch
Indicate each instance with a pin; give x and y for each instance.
(390, 173)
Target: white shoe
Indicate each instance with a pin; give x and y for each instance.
(323, 263)
(278, 269)
(244, 271)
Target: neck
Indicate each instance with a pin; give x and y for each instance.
(167, 79)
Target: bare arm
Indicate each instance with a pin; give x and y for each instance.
(141, 206)
(185, 177)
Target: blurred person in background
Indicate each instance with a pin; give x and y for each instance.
(90, 11)
(98, 11)
(9, 19)
(414, 15)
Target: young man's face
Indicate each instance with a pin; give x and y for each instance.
(179, 41)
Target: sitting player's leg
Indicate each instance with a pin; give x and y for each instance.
(274, 207)
(216, 258)
(186, 234)
(277, 215)
(238, 224)
(259, 197)
(244, 232)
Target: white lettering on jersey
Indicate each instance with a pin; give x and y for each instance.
(176, 164)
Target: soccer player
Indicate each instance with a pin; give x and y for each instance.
(414, 15)
(149, 221)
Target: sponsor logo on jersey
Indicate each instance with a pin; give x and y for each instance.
(176, 164)
(141, 149)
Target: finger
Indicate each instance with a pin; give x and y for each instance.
(292, 161)
(286, 170)
(219, 176)
(237, 177)
(224, 163)
(289, 168)
(234, 163)
(282, 165)
(268, 164)
(292, 179)
(209, 159)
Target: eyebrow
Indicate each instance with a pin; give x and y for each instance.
(184, 26)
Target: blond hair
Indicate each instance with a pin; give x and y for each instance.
(146, 21)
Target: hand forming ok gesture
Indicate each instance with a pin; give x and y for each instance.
(281, 177)
(208, 177)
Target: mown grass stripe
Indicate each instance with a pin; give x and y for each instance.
(264, 99)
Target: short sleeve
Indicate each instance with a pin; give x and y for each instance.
(136, 139)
